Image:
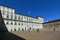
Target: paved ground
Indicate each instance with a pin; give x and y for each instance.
(43, 35)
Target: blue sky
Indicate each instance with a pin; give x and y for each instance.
(48, 9)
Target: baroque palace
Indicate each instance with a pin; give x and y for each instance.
(18, 22)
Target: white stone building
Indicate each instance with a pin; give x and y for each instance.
(19, 22)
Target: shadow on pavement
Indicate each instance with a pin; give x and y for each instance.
(4, 34)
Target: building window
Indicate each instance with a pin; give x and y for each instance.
(13, 10)
(11, 23)
(30, 28)
(19, 18)
(9, 10)
(22, 23)
(19, 23)
(15, 17)
(7, 23)
(15, 23)
(27, 19)
(11, 16)
(7, 16)
(25, 28)
(37, 30)
(22, 29)
(19, 29)
(14, 29)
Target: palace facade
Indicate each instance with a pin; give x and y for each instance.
(53, 25)
(18, 22)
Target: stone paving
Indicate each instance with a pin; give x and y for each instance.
(42, 35)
